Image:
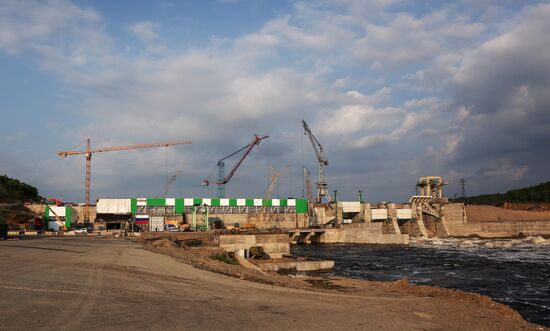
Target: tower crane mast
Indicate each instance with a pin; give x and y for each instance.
(307, 184)
(88, 154)
(322, 190)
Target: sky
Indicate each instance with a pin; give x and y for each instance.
(394, 90)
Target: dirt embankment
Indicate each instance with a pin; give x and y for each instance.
(200, 252)
(536, 206)
(477, 213)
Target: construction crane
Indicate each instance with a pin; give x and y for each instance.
(307, 184)
(222, 178)
(268, 194)
(322, 190)
(88, 154)
(169, 183)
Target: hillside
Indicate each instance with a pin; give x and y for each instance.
(534, 194)
(15, 191)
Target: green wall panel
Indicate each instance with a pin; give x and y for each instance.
(133, 205)
(156, 202)
(179, 206)
(68, 214)
(301, 206)
(46, 217)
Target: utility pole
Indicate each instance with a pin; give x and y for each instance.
(462, 182)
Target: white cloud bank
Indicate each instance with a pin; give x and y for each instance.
(442, 82)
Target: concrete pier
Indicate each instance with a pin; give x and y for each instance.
(295, 265)
(274, 244)
(355, 233)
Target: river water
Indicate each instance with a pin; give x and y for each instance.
(513, 272)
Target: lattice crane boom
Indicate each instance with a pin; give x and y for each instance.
(247, 149)
(269, 191)
(322, 190)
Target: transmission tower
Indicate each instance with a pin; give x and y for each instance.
(462, 182)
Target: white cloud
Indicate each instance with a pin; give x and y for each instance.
(316, 61)
(144, 30)
(507, 171)
(407, 123)
(17, 136)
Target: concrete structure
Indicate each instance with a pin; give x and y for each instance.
(295, 265)
(365, 233)
(274, 244)
(458, 225)
(431, 186)
(355, 233)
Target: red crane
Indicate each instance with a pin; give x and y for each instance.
(222, 180)
(89, 151)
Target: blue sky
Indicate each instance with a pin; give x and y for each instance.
(393, 89)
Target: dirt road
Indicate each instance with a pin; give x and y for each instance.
(105, 283)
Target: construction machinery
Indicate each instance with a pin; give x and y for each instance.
(169, 183)
(58, 225)
(322, 190)
(88, 154)
(266, 197)
(222, 178)
(57, 202)
(269, 191)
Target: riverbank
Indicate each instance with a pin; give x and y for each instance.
(425, 303)
(513, 271)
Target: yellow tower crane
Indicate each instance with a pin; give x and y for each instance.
(88, 154)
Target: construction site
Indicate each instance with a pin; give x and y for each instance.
(137, 243)
(317, 217)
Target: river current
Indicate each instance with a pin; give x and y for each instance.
(513, 272)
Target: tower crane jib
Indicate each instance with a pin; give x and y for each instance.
(88, 155)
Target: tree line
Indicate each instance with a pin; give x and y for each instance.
(533, 194)
(15, 191)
